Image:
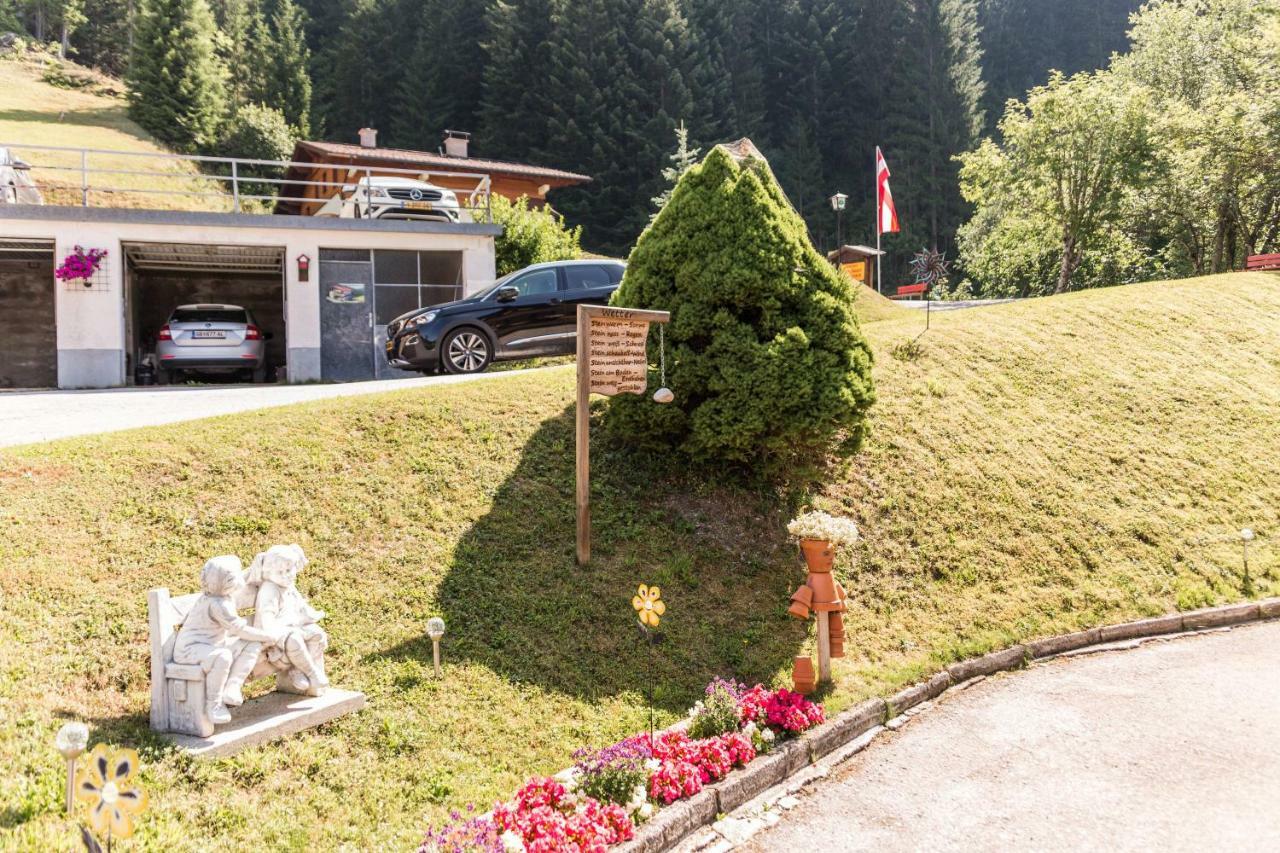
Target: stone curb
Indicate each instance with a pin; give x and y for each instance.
(672, 824)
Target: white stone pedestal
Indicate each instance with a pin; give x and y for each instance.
(269, 717)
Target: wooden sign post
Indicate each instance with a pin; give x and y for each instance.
(612, 359)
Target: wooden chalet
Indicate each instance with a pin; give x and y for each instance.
(334, 163)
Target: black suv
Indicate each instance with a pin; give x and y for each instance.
(530, 312)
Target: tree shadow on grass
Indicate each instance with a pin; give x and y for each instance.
(516, 602)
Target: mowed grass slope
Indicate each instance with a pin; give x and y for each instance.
(33, 112)
(1034, 468)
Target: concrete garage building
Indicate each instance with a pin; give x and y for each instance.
(323, 288)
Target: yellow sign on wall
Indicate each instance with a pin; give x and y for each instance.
(857, 270)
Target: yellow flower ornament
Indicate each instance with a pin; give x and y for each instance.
(103, 781)
(648, 603)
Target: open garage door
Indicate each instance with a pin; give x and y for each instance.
(162, 276)
(28, 335)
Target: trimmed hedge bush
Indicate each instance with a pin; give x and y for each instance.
(770, 371)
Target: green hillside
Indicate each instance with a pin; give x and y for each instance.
(89, 111)
(1033, 467)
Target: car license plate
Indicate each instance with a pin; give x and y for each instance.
(417, 205)
(206, 333)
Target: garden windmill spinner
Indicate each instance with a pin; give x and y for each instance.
(613, 358)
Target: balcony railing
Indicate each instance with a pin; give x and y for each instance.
(104, 178)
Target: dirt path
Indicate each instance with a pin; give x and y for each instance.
(1171, 746)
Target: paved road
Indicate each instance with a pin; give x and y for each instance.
(943, 305)
(31, 416)
(1172, 746)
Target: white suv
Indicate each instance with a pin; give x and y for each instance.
(395, 198)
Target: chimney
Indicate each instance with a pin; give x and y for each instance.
(368, 137)
(455, 143)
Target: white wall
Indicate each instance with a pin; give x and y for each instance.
(91, 323)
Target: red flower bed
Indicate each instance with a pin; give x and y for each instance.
(547, 815)
(547, 819)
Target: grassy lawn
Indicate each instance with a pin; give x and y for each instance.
(1034, 467)
(37, 113)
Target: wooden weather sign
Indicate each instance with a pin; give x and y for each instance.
(612, 359)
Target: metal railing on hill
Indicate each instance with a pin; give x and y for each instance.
(246, 185)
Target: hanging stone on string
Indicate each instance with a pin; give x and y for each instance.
(663, 394)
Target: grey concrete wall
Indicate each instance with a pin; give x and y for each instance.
(90, 368)
(304, 364)
(156, 294)
(28, 335)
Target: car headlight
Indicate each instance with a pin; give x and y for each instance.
(424, 319)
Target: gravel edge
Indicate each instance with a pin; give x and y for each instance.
(672, 824)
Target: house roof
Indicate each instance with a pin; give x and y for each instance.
(853, 251)
(399, 157)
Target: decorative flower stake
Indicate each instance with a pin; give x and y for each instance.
(104, 783)
(649, 605)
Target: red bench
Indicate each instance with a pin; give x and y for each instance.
(906, 290)
(1263, 262)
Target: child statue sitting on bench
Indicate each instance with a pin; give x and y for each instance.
(281, 609)
(214, 636)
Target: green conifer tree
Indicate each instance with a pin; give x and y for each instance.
(515, 106)
(442, 89)
(769, 369)
(176, 86)
(682, 160)
(289, 86)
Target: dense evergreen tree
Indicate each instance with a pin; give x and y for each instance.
(514, 103)
(176, 86)
(1026, 39)
(289, 83)
(103, 41)
(434, 96)
(770, 372)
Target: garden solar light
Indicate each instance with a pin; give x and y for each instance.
(71, 740)
(435, 630)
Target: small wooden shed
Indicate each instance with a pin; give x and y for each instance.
(858, 261)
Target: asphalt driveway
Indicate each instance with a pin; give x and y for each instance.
(31, 416)
(1171, 746)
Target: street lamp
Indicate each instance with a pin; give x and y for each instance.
(71, 740)
(435, 630)
(838, 202)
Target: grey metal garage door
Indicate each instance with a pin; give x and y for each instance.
(346, 315)
(28, 336)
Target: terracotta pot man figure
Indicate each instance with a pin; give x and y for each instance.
(281, 608)
(214, 636)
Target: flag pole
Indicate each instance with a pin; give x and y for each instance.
(875, 177)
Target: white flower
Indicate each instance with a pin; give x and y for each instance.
(820, 525)
(653, 765)
(568, 778)
(511, 842)
(766, 735)
(645, 811)
(639, 795)
(749, 729)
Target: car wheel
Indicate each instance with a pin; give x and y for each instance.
(163, 377)
(466, 351)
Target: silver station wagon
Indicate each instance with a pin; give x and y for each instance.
(218, 339)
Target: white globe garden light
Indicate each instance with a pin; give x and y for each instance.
(71, 741)
(435, 630)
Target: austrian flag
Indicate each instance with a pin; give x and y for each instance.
(886, 213)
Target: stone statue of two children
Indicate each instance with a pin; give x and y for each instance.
(284, 639)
